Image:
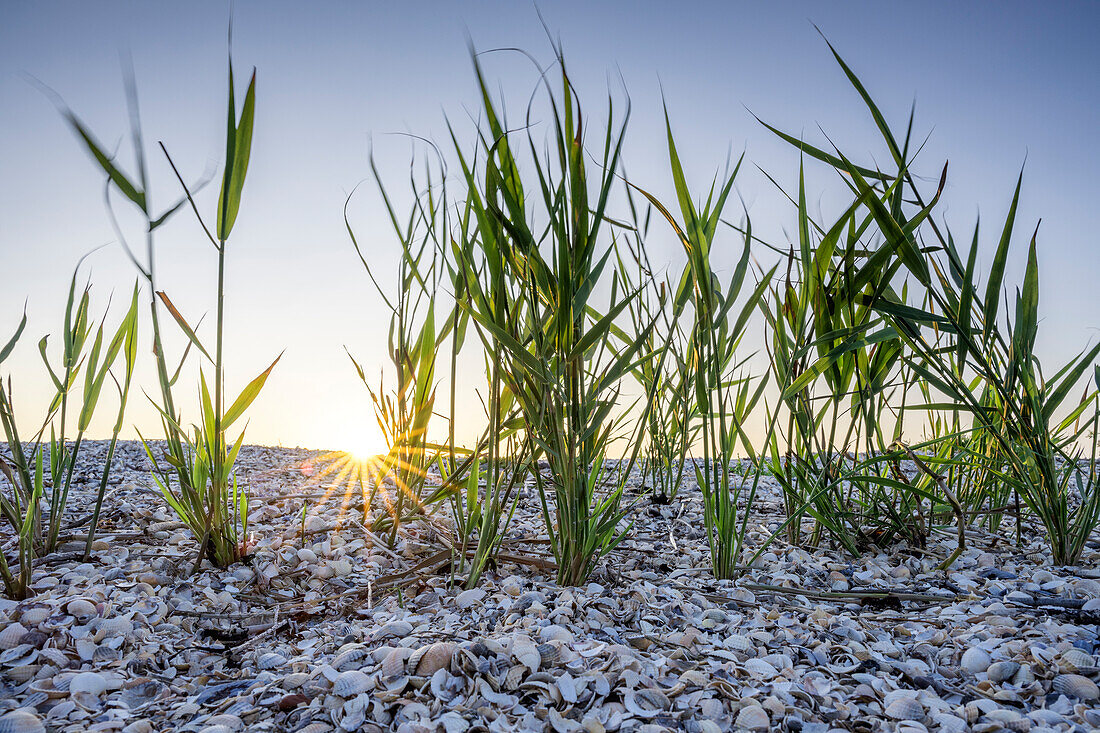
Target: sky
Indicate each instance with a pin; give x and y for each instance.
(995, 85)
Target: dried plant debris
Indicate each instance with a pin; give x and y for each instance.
(327, 628)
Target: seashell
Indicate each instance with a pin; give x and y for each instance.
(82, 610)
(341, 567)
(739, 643)
(949, 723)
(646, 703)
(1009, 719)
(427, 660)
(1001, 671)
(139, 692)
(553, 632)
(526, 653)
(315, 727)
(22, 654)
(549, 654)
(760, 669)
(350, 656)
(1024, 676)
(514, 676)
(229, 722)
(21, 721)
(34, 638)
(294, 680)
(55, 657)
(350, 683)
(91, 683)
(975, 660)
(859, 651)
(393, 664)
(271, 660)
(23, 672)
(34, 615)
(1075, 660)
(753, 717)
(1075, 685)
(391, 630)
(905, 708)
(110, 628)
(468, 598)
(11, 635)
(46, 687)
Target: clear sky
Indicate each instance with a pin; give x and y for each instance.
(994, 83)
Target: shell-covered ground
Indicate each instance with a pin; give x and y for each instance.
(327, 628)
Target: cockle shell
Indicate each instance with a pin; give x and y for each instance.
(21, 721)
(341, 567)
(426, 660)
(646, 703)
(760, 669)
(514, 676)
(81, 609)
(117, 626)
(949, 723)
(91, 683)
(753, 717)
(1001, 671)
(975, 660)
(1075, 685)
(739, 643)
(34, 615)
(526, 653)
(905, 708)
(350, 656)
(350, 683)
(1075, 660)
(553, 632)
(316, 727)
(270, 660)
(11, 635)
(139, 692)
(549, 654)
(23, 672)
(393, 664)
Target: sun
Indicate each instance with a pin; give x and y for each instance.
(362, 444)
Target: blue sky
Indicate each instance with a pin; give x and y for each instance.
(993, 84)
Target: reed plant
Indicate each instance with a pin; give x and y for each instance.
(135, 188)
(404, 414)
(723, 396)
(665, 368)
(542, 268)
(210, 500)
(87, 350)
(989, 367)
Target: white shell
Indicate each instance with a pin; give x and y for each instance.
(905, 708)
(1075, 685)
(81, 609)
(10, 636)
(1074, 659)
(21, 721)
(739, 643)
(91, 683)
(351, 683)
(526, 653)
(1001, 671)
(753, 717)
(975, 660)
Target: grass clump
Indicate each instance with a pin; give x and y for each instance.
(542, 266)
(42, 471)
